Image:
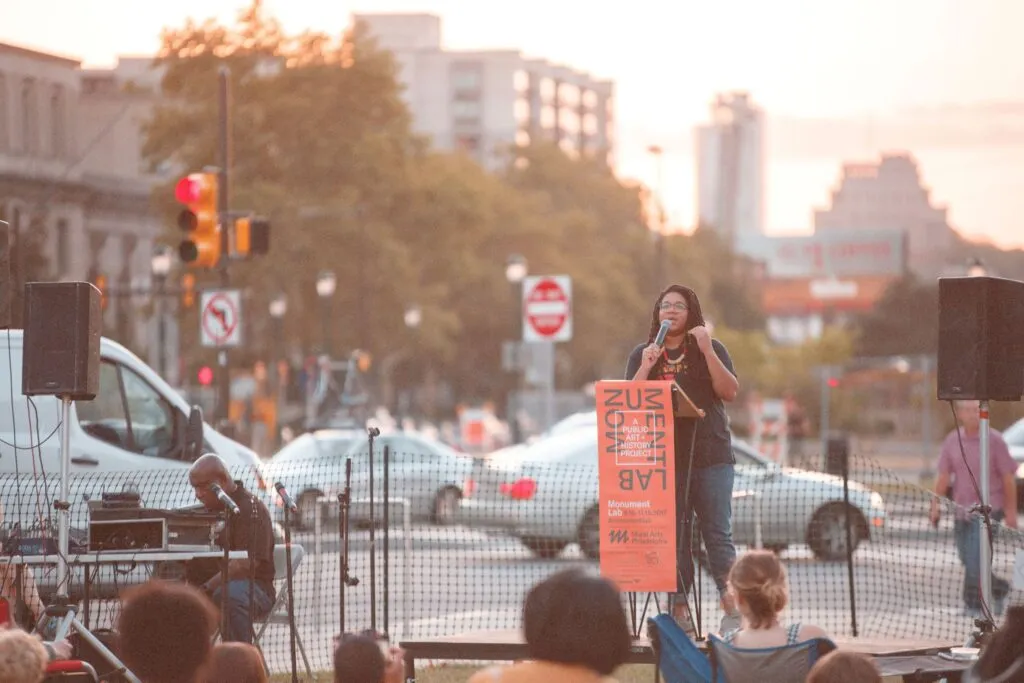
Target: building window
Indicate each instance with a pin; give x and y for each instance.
(589, 98)
(522, 111)
(547, 117)
(521, 81)
(522, 138)
(568, 95)
(547, 89)
(465, 77)
(63, 248)
(463, 110)
(28, 116)
(58, 120)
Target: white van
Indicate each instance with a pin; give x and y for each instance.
(136, 423)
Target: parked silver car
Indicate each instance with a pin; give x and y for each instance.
(426, 472)
(546, 494)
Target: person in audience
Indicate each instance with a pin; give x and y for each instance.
(1002, 658)
(23, 658)
(28, 608)
(761, 648)
(575, 630)
(845, 667)
(234, 662)
(165, 631)
(361, 658)
(962, 469)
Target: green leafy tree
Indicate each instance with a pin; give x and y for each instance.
(903, 322)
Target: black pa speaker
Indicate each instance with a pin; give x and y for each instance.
(981, 339)
(61, 354)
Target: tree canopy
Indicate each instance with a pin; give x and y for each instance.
(323, 144)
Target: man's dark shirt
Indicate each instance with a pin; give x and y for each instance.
(713, 443)
(252, 530)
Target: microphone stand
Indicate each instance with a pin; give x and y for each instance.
(373, 434)
(344, 502)
(291, 596)
(224, 575)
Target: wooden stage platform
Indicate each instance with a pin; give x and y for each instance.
(916, 660)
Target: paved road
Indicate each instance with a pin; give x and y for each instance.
(456, 580)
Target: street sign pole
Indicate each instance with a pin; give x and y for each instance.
(547, 319)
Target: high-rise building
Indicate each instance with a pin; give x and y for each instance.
(889, 195)
(730, 168)
(486, 102)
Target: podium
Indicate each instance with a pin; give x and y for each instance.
(682, 405)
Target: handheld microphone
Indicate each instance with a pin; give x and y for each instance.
(224, 499)
(662, 332)
(285, 498)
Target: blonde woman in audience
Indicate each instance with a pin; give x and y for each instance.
(762, 648)
(845, 667)
(575, 630)
(23, 658)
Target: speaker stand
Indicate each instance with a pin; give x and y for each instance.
(62, 609)
(986, 624)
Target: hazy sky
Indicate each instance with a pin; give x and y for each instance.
(838, 59)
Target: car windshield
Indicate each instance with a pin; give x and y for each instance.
(1014, 434)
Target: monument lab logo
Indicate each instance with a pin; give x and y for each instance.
(618, 536)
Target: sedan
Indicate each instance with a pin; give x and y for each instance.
(546, 494)
(425, 472)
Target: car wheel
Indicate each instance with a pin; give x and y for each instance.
(589, 534)
(826, 534)
(307, 511)
(446, 506)
(546, 548)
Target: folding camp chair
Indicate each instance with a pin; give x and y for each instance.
(278, 614)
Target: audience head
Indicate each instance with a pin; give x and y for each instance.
(358, 659)
(575, 618)
(758, 582)
(165, 630)
(844, 667)
(235, 662)
(23, 658)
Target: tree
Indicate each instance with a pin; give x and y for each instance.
(23, 251)
(903, 322)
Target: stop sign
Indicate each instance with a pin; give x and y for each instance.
(547, 308)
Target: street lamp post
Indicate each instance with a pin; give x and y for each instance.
(278, 307)
(326, 283)
(160, 267)
(516, 270)
(659, 234)
(976, 267)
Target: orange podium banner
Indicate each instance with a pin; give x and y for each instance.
(636, 472)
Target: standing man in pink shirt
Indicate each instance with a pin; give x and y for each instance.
(964, 469)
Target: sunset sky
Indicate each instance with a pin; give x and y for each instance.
(944, 78)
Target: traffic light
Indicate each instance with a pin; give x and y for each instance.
(205, 375)
(252, 236)
(101, 284)
(188, 290)
(199, 193)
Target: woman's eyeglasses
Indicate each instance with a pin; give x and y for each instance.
(674, 305)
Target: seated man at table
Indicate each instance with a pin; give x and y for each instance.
(250, 530)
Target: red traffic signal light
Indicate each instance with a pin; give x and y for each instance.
(205, 375)
(199, 193)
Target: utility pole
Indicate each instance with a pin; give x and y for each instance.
(224, 135)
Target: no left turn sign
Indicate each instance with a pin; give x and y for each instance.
(220, 318)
